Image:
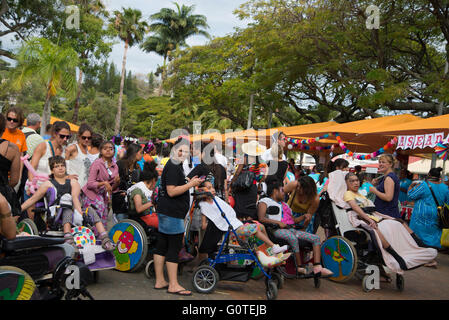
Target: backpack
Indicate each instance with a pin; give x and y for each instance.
(324, 215)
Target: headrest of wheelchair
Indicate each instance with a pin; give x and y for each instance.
(66, 200)
(273, 210)
(29, 242)
(202, 194)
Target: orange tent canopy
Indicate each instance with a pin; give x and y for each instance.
(420, 126)
(73, 127)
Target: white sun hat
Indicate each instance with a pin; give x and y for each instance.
(253, 148)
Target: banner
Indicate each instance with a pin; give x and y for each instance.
(421, 141)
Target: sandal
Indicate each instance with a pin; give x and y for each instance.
(180, 292)
(321, 272)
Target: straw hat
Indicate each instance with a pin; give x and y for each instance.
(253, 148)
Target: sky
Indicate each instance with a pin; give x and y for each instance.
(220, 18)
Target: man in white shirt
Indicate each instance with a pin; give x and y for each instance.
(281, 139)
(31, 136)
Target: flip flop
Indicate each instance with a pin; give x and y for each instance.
(181, 294)
(161, 288)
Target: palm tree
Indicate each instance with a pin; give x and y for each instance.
(54, 65)
(171, 30)
(131, 30)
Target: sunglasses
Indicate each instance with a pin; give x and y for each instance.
(13, 119)
(86, 138)
(63, 136)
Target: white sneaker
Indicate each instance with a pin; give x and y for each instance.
(277, 249)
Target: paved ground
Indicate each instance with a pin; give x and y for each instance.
(420, 284)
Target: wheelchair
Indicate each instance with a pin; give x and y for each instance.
(349, 252)
(225, 265)
(290, 269)
(48, 223)
(36, 268)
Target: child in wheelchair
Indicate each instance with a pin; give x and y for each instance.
(68, 192)
(140, 195)
(285, 226)
(216, 226)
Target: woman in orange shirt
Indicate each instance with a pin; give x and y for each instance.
(14, 120)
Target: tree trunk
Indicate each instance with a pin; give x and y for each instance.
(120, 98)
(163, 75)
(46, 114)
(77, 100)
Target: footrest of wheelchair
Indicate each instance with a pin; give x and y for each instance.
(21, 243)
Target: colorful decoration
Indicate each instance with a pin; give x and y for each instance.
(82, 236)
(339, 257)
(304, 144)
(131, 245)
(368, 156)
(442, 150)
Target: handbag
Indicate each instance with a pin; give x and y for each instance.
(244, 181)
(442, 211)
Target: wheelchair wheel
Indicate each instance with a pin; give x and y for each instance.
(205, 279)
(339, 255)
(271, 290)
(131, 245)
(16, 284)
(400, 282)
(28, 226)
(149, 270)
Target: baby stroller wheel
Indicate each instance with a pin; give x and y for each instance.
(205, 279)
(278, 279)
(272, 290)
(400, 282)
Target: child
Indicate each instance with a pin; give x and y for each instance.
(216, 229)
(71, 188)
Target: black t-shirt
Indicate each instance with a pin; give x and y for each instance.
(176, 207)
(282, 167)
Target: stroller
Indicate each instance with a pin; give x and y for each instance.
(210, 271)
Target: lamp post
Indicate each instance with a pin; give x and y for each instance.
(152, 121)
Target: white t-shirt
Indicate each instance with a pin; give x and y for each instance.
(221, 159)
(270, 202)
(266, 156)
(211, 211)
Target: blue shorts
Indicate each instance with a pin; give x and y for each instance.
(170, 225)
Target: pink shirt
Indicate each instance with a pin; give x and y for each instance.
(98, 173)
(287, 217)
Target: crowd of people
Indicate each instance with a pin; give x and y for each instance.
(123, 178)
